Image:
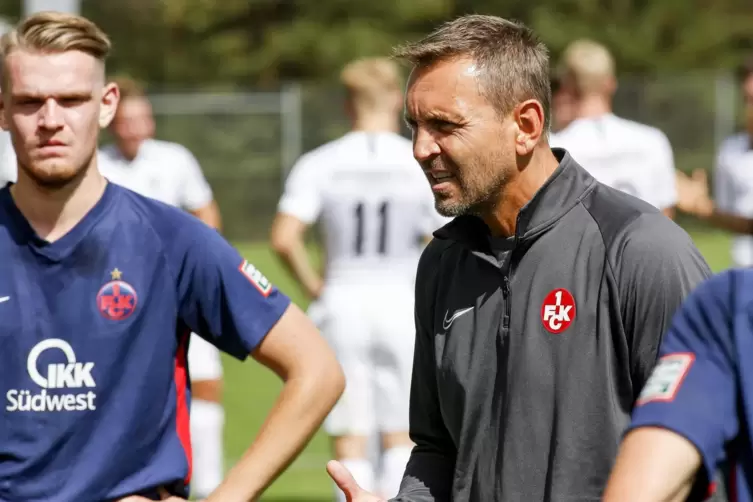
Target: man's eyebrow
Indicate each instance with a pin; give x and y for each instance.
(36, 95)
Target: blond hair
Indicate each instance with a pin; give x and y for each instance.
(51, 31)
(588, 65)
(129, 87)
(368, 81)
(513, 62)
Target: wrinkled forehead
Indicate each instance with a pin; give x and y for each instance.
(452, 85)
(49, 74)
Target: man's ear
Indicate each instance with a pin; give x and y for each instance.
(529, 119)
(109, 104)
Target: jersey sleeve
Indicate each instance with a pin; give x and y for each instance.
(222, 297)
(665, 187)
(724, 190)
(659, 266)
(692, 390)
(195, 192)
(302, 196)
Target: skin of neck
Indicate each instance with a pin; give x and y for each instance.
(593, 105)
(376, 122)
(53, 212)
(124, 152)
(533, 171)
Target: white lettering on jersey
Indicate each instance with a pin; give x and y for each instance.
(68, 375)
(372, 201)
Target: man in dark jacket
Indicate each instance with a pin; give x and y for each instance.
(540, 308)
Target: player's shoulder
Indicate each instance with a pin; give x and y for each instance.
(324, 155)
(633, 130)
(628, 224)
(726, 293)
(162, 148)
(735, 144)
(169, 223)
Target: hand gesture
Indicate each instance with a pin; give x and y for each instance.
(693, 193)
(344, 480)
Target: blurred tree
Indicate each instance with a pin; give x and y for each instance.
(241, 43)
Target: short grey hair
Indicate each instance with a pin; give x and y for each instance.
(513, 61)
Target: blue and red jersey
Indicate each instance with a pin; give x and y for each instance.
(702, 386)
(94, 329)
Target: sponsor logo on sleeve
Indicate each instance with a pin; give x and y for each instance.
(257, 278)
(666, 379)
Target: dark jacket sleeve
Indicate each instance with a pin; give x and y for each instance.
(429, 473)
(658, 266)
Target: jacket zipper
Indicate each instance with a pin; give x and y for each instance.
(506, 291)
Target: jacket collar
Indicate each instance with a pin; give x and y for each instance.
(561, 192)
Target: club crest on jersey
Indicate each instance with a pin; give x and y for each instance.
(558, 311)
(117, 299)
(257, 278)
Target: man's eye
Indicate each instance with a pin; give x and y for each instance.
(443, 125)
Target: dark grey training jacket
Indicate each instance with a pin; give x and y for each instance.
(502, 408)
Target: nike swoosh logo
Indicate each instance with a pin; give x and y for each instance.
(448, 322)
(4, 299)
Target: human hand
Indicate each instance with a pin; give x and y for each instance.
(344, 480)
(693, 193)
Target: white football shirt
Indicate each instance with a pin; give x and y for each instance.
(8, 165)
(372, 200)
(733, 187)
(626, 155)
(162, 170)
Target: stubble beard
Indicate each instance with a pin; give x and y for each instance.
(58, 177)
(477, 197)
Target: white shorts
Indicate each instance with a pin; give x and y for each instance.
(204, 361)
(372, 331)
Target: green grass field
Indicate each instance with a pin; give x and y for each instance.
(251, 389)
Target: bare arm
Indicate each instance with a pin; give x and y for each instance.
(729, 222)
(295, 351)
(694, 199)
(287, 240)
(653, 465)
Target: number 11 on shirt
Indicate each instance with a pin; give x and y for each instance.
(383, 222)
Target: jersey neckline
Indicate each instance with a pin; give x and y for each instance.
(62, 247)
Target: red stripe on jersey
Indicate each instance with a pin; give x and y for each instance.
(182, 418)
(712, 490)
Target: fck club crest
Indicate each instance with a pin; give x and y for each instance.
(558, 311)
(117, 299)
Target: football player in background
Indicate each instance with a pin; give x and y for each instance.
(563, 106)
(621, 153)
(376, 211)
(8, 167)
(731, 208)
(170, 173)
(101, 289)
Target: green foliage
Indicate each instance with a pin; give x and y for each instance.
(241, 43)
